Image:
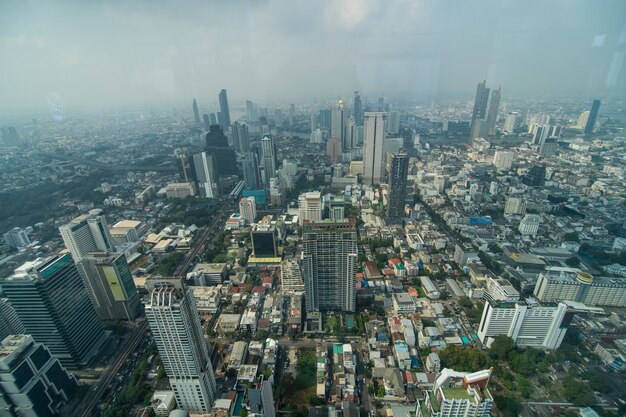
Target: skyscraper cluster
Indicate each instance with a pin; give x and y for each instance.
(485, 113)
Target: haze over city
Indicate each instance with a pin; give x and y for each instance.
(147, 53)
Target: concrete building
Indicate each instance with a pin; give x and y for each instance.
(403, 303)
(86, 234)
(433, 363)
(515, 205)
(205, 174)
(429, 288)
(557, 284)
(247, 209)
(264, 238)
(310, 207)
(32, 381)
(16, 238)
(291, 277)
(503, 160)
(180, 190)
(54, 306)
(373, 145)
(204, 274)
(173, 317)
(111, 287)
(269, 160)
(529, 226)
(397, 186)
(534, 326)
(329, 259)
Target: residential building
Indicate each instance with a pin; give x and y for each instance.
(269, 159)
(310, 207)
(32, 381)
(338, 124)
(86, 234)
(503, 160)
(16, 238)
(329, 259)
(433, 363)
(557, 284)
(373, 145)
(247, 209)
(397, 186)
(173, 317)
(204, 174)
(529, 226)
(54, 306)
(251, 173)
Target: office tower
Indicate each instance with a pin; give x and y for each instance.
(329, 257)
(457, 394)
(10, 322)
(224, 110)
(317, 136)
(292, 114)
(455, 128)
(531, 325)
(510, 122)
(339, 118)
(251, 112)
(291, 277)
(269, 159)
(392, 125)
(204, 176)
(264, 238)
(582, 119)
(373, 145)
(593, 117)
(479, 113)
(173, 317)
(529, 226)
(325, 118)
(492, 113)
(536, 176)
(16, 238)
(352, 134)
(514, 205)
(32, 381)
(503, 160)
(196, 112)
(381, 104)
(397, 186)
(561, 284)
(310, 207)
(337, 210)
(247, 209)
(549, 147)
(358, 109)
(251, 174)
(277, 192)
(333, 149)
(213, 119)
(85, 234)
(110, 285)
(241, 140)
(224, 156)
(53, 304)
(206, 121)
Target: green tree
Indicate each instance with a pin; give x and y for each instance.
(502, 347)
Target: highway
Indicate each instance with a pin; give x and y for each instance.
(94, 395)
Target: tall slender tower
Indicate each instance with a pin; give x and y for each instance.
(329, 257)
(85, 234)
(593, 117)
(338, 119)
(373, 145)
(251, 175)
(269, 159)
(358, 109)
(196, 112)
(492, 113)
(397, 186)
(173, 317)
(224, 110)
(52, 303)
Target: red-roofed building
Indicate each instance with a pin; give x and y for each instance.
(371, 271)
(394, 261)
(268, 282)
(259, 288)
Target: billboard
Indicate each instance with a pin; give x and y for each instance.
(114, 283)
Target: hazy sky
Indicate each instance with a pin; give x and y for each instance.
(142, 52)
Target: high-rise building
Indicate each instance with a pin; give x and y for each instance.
(582, 119)
(110, 285)
(291, 277)
(358, 109)
(264, 238)
(16, 238)
(224, 110)
(203, 171)
(213, 119)
(241, 139)
(247, 209)
(457, 394)
(339, 119)
(333, 149)
(480, 102)
(206, 121)
(549, 147)
(32, 381)
(536, 176)
(317, 136)
(528, 325)
(251, 173)
(224, 156)
(352, 134)
(529, 226)
(503, 160)
(373, 145)
(397, 186)
(269, 159)
(593, 117)
(10, 322)
(85, 234)
(392, 126)
(325, 118)
(485, 113)
(292, 114)
(510, 122)
(251, 112)
(173, 317)
(515, 205)
(54, 306)
(558, 284)
(492, 113)
(310, 207)
(329, 258)
(196, 112)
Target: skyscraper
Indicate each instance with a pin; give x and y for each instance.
(333, 149)
(358, 109)
(352, 134)
(173, 317)
(206, 121)
(110, 285)
(247, 209)
(241, 140)
(492, 113)
(224, 110)
(224, 156)
(251, 175)
(510, 122)
(397, 186)
(593, 117)
(329, 257)
(392, 126)
(373, 145)
(52, 303)
(85, 234)
(204, 175)
(269, 159)
(10, 322)
(196, 112)
(338, 118)
(479, 114)
(310, 207)
(251, 112)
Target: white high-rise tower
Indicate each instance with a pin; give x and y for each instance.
(85, 234)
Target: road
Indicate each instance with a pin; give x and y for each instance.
(93, 396)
